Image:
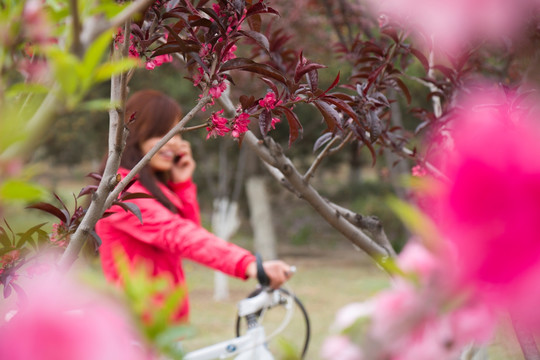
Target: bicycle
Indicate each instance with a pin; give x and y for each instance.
(253, 344)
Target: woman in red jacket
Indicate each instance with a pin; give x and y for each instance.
(171, 228)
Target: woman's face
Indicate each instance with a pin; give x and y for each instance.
(163, 160)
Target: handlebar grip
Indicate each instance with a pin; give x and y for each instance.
(263, 279)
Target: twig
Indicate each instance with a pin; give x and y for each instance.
(76, 47)
(146, 158)
(318, 160)
(98, 26)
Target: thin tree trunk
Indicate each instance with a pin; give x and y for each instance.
(261, 217)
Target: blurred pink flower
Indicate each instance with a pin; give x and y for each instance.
(340, 347)
(453, 24)
(349, 314)
(159, 60)
(489, 209)
(419, 171)
(63, 321)
(416, 259)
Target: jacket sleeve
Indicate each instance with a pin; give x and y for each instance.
(187, 193)
(177, 235)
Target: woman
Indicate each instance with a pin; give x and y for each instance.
(171, 227)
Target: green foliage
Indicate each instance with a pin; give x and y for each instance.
(143, 291)
(289, 351)
(15, 189)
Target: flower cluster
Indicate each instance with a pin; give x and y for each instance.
(63, 320)
(134, 53)
(270, 101)
(484, 259)
(470, 20)
(219, 125)
(59, 235)
(9, 259)
(420, 319)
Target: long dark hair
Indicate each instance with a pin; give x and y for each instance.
(150, 113)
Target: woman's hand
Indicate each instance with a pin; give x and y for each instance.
(183, 168)
(278, 272)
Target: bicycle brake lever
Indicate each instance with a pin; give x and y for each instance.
(263, 279)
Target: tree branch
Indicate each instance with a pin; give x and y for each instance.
(324, 153)
(178, 128)
(98, 26)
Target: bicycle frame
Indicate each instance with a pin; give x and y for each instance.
(252, 345)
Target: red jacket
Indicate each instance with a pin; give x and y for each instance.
(164, 238)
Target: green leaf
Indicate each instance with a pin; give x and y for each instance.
(416, 221)
(96, 51)
(66, 69)
(96, 105)
(105, 71)
(22, 88)
(21, 190)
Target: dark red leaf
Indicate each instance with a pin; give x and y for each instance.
(341, 105)
(139, 195)
(265, 121)
(259, 38)
(295, 127)
(446, 71)
(130, 207)
(323, 139)
(313, 80)
(423, 60)
(333, 85)
(271, 85)
(404, 89)
(216, 18)
(305, 68)
(51, 209)
(255, 22)
(247, 101)
(330, 115)
(95, 176)
(87, 190)
(251, 66)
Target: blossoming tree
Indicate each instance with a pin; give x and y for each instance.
(480, 179)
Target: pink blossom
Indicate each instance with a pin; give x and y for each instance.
(217, 90)
(37, 27)
(230, 53)
(418, 171)
(488, 210)
(59, 235)
(218, 126)
(35, 70)
(197, 78)
(340, 347)
(416, 259)
(392, 307)
(349, 314)
(453, 24)
(205, 49)
(119, 39)
(63, 321)
(274, 122)
(240, 124)
(158, 61)
(269, 102)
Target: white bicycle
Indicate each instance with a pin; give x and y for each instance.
(253, 344)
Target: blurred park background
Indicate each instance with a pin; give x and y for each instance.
(331, 273)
